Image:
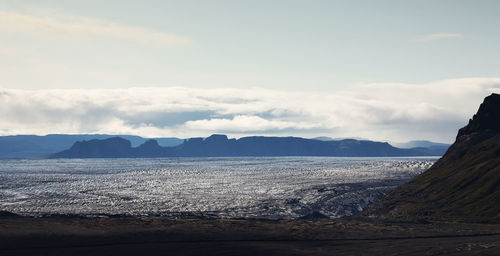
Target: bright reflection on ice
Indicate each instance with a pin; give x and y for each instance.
(255, 187)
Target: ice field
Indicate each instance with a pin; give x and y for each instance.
(246, 187)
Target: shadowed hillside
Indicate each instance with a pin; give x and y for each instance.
(464, 184)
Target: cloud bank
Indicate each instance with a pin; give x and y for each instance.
(386, 111)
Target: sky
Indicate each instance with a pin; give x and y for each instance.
(382, 70)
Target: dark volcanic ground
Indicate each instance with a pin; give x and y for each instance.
(63, 235)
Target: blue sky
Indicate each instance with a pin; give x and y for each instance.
(332, 49)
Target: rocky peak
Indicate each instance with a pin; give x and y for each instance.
(486, 119)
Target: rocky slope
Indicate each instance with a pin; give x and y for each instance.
(463, 185)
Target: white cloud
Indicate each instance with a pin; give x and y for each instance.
(438, 36)
(82, 27)
(389, 111)
(243, 123)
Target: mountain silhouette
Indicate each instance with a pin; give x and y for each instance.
(422, 144)
(221, 146)
(31, 146)
(463, 185)
(107, 148)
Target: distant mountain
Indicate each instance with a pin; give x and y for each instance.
(440, 148)
(325, 138)
(421, 144)
(463, 185)
(220, 145)
(29, 146)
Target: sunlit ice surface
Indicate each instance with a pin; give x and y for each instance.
(232, 187)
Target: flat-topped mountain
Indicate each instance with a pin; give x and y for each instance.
(30, 146)
(112, 147)
(221, 145)
(464, 184)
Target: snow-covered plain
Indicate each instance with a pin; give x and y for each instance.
(246, 187)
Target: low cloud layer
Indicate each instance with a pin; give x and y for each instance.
(389, 112)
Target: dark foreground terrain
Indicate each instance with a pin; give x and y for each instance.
(63, 235)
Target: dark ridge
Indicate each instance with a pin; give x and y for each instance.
(107, 148)
(220, 146)
(34, 146)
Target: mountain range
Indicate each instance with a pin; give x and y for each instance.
(221, 146)
(421, 144)
(463, 185)
(33, 146)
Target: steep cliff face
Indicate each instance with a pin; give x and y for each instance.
(463, 185)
